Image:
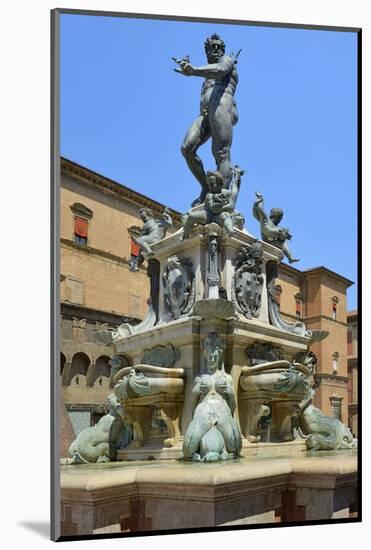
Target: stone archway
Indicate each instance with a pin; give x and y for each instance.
(102, 372)
(79, 369)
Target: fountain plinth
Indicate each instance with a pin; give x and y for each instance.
(210, 283)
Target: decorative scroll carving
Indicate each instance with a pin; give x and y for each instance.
(141, 380)
(179, 286)
(248, 280)
(292, 381)
(298, 327)
(135, 384)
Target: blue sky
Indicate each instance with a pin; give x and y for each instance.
(124, 114)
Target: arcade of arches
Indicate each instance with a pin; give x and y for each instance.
(85, 369)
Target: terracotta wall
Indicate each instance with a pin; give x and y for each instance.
(290, 285)
(93, 279)
(102, 283)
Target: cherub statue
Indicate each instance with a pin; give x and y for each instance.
(270, 232)
(219, 205)
(153, 230)
(213, 433)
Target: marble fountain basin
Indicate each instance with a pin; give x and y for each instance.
(159, 379)
(280, 377)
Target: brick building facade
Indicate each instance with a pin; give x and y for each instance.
(318, 297)
(98, 218)
(97, 289)
(352, 351)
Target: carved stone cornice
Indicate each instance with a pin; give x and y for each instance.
(321, 270)
(286, 269)
(313, 272)
(111, 187)
(98, 408)
(81, 210)
(352, 317)
(91, 314)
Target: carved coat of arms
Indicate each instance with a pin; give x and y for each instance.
(248, 280)
(178, 284)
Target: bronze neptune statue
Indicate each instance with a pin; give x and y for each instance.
(218, 112)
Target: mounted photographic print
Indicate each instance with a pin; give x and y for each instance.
(205, 349)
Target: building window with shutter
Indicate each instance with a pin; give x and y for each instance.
(81, 216)
(335, 301)
(298, 308)
(81, 231)
(336, 407)
(134, 231)
(134, 249)
(335, 363)
(298, 305)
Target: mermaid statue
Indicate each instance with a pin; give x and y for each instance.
(213, 433)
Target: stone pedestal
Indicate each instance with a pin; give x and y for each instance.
(150, 496)
(186, 318)
(195, 249)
